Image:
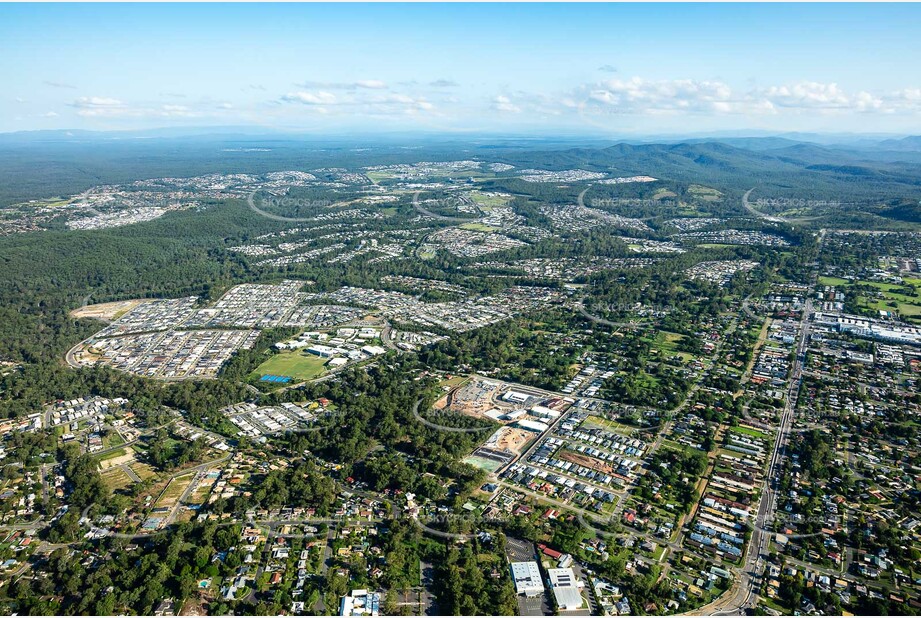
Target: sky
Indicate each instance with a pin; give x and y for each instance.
(597, 69)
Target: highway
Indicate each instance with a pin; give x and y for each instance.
(428, 213)
(744, 592)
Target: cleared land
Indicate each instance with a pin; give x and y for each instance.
(107, 311)
(116, 478)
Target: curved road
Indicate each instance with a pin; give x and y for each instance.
(428, 423)
(428, 213)
(274, 217)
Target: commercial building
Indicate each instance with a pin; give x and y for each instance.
(360, 603)
(526, 576)
(566, 589)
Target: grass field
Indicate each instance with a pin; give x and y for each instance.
(490, 465)
(113, 439)
(666, 343)
(299, 365)
(201, 492)
(379, 176)
(455, 381)
(174, 490)
(663, 193)
(489, 201)
(478, 227)
(115, 478)
(609, 425)
(119, 452)
(751, 432)
(904, 298)
(705, 193)
(143, 470)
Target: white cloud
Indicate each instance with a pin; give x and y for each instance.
(830, 98)
(362, 84)
(310, 98)
(108, 107)
(504, 104)
(372, 84)
(50, 115)
(95, 102)
(365, 101)
(90, 107)
(813, 95)
(638, 95)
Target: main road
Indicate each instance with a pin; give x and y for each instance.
(744, 592)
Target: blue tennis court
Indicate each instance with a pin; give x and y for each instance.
(276, 379)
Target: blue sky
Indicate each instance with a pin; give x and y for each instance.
(590, 68)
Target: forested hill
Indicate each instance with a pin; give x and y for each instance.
(53, 166)
(801, 170)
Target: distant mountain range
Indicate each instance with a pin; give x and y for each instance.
(48, 163)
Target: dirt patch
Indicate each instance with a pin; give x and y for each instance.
(128, 457)
(194, 606)
(510, 439)
(586, 461)
(107, 311)
(513, 439)
(473, 399)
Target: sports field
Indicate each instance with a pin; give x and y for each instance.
(490, 465)
(478, 227)
(298, 365)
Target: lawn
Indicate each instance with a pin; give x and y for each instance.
(663, 193)
(455, 381)
(753, 433)
(610, 425)
(488, 202)
(704, 193)
(300, 365)
(894, 298)
(112, 439)
(113, 454)
(115, 478)
(376, 177)
(666, 343)
(174, 490)
(478, 227)
(490, 465)
(143, 470)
